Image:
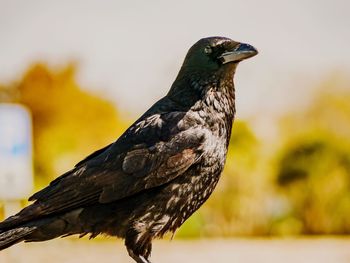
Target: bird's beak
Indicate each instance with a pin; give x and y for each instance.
(242, 51)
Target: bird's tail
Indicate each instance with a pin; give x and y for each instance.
(13, 231)
(15, 235)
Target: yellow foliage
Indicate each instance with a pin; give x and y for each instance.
(68, 123)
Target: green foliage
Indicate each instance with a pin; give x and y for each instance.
(313, 167)
(314, 174)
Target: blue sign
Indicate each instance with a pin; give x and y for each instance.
(16, 169)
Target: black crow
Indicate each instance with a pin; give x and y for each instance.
(160, 171)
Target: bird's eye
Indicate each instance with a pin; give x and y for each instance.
(207, 50)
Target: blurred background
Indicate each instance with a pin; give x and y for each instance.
(87, 69)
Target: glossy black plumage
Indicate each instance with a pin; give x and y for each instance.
(160, 171)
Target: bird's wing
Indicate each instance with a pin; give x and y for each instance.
(132, 164)
(144, 167)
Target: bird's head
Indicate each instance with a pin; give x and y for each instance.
(210, 63)
(213, 54)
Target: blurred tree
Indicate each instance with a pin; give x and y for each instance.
(68, 123)
(313, 167)
(315, 175)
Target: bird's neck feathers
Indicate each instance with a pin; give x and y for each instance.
(215, 91)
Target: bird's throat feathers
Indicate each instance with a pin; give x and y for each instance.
(215, 91)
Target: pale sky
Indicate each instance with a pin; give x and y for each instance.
(131, 51)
